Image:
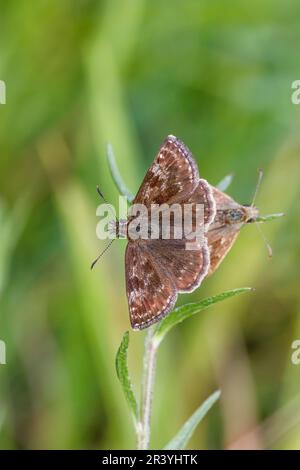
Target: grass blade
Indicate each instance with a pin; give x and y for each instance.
(267, 218)
(186, 311)
(183, 436)
(225, 182)
(115, 173)
(123, 375)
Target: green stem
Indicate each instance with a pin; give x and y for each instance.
(149, 367)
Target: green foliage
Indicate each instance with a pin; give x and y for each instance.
(224, 184)
(12, 224)
(268, 218)
(185, 433)
(186, 311)
(114, 171)
(80, 74)
(157, 334)
(123, 375)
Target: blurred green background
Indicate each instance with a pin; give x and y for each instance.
(79, 74)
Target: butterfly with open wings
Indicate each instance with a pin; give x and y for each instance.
(157, 270)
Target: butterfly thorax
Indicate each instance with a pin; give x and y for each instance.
(124, 228)
(118, 228)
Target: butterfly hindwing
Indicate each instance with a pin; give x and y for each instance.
(203, 194)
(221, 236)
(220, 241)
(186, 268)
(151, 293)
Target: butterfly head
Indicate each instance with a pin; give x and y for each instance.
(241, 215)
(251, 214)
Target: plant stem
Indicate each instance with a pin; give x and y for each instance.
(144, 425)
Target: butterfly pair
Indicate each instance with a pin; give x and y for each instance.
(158, 269)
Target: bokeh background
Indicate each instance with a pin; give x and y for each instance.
(79, 74)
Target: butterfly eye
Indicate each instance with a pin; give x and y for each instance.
(235, 215)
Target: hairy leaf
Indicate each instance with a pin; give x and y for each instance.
(186, 311)
(225, 182)
(123, 375)
(182, 437)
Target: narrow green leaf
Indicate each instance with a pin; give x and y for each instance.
(123, 375)
(186, 311)
(267, 218)
(225, 182)
(115, 173)
(183, 436)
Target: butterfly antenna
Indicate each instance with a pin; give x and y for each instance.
(101, 194)
(260, 177)
(269, 248)
(102, 253)
(104, 199)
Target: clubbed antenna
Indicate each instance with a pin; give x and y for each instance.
(102, 253)
(260, 177)
(106, 248)
(269, 248)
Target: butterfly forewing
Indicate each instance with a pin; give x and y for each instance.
(172, 176)
(200, 205)
(156, 270)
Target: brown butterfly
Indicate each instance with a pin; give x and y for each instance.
(229, 219)
(157, 270)
(223, 231)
